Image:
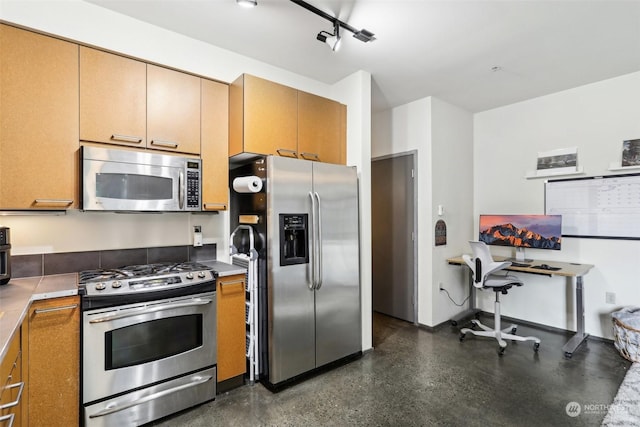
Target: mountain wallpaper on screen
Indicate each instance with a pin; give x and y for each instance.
(510, 235)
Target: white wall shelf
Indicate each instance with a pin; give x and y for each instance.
(616, 166)
(546, 173)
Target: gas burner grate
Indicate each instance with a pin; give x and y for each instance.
(142, 270)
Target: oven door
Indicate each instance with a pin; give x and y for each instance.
(130, 186)
(128, 347)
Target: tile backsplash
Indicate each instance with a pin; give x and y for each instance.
(72, 262)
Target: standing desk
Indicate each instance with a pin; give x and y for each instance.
(569, 270)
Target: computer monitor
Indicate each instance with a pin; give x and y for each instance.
(522, 231)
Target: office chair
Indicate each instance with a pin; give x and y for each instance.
(484, 273)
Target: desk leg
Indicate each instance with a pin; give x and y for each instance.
(472, 311)
(580, 334)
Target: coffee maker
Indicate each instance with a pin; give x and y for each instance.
(5, 256)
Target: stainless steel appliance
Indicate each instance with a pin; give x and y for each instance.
(121, 180)
(148, 342)
(5, 256)
(308, 243)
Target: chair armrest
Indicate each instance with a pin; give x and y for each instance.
(495, 266)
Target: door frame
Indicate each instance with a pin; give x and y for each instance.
(414, 157)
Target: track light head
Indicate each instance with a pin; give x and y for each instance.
(332, 40)
(247, 3)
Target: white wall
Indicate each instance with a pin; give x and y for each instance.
(78, 231)
(441, 134)
(596, 118)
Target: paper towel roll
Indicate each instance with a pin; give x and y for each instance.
(247, 184)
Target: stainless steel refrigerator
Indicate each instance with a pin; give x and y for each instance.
(307, 217)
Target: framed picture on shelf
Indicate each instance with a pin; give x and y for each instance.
(631, 152)
(562, 160)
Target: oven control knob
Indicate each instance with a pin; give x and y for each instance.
(189, 276)
(100, 286)
(116, 284)
(201, 274)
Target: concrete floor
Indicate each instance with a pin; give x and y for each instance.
(415, 377)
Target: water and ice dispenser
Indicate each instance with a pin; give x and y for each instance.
(294, 239)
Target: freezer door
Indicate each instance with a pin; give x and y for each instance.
(291, 334)
(338, 319)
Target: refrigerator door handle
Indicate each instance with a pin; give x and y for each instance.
(319, 242)
(312, 237)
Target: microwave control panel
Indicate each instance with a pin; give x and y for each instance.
(193, 185)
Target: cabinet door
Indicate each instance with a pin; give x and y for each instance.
(320, 129)
(39, 136)
(54, 362)
(215, 145)
(12, 386)
(231, 326)
(113, 98)
(173, 110)
(269, 117)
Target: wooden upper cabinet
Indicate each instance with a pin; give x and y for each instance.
(39, 121)
(215, 145)
(320, 129)
(113, 98)
(263, 117)
(173, 110)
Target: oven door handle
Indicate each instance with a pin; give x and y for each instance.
(147, 310)
(114, 407)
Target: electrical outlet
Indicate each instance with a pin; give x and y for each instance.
(197, 236)
(441, 287)
(610, 297)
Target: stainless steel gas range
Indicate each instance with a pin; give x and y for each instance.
(148, 342)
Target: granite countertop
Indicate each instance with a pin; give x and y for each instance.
(16, 297)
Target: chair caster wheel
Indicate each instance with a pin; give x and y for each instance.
(501, 350)
(513, 331)
(462, 336)
(567, 355)
(536, 346)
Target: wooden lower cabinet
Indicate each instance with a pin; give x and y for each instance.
(53, 374)
(230, 305)
(13, 385)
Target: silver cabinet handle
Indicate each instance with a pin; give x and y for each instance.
(126, 138)
(146, 310)
(9, 417)
(215, 206)
(233, 282)
(113, 407)
(53, 201)
(319, 255)
(287, 153)
(49, 310)
(161, 143)
(15, 402)
(310, 156)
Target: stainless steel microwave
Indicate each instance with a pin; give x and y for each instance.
(136, 181)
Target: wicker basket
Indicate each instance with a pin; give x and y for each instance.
(626, 340)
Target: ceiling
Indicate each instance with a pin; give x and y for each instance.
(476, 54)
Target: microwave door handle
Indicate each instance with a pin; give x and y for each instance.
(113, 407)
(147, 310)
(181, 190)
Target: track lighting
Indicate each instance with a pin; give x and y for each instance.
(333, 40)
(247, 3)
